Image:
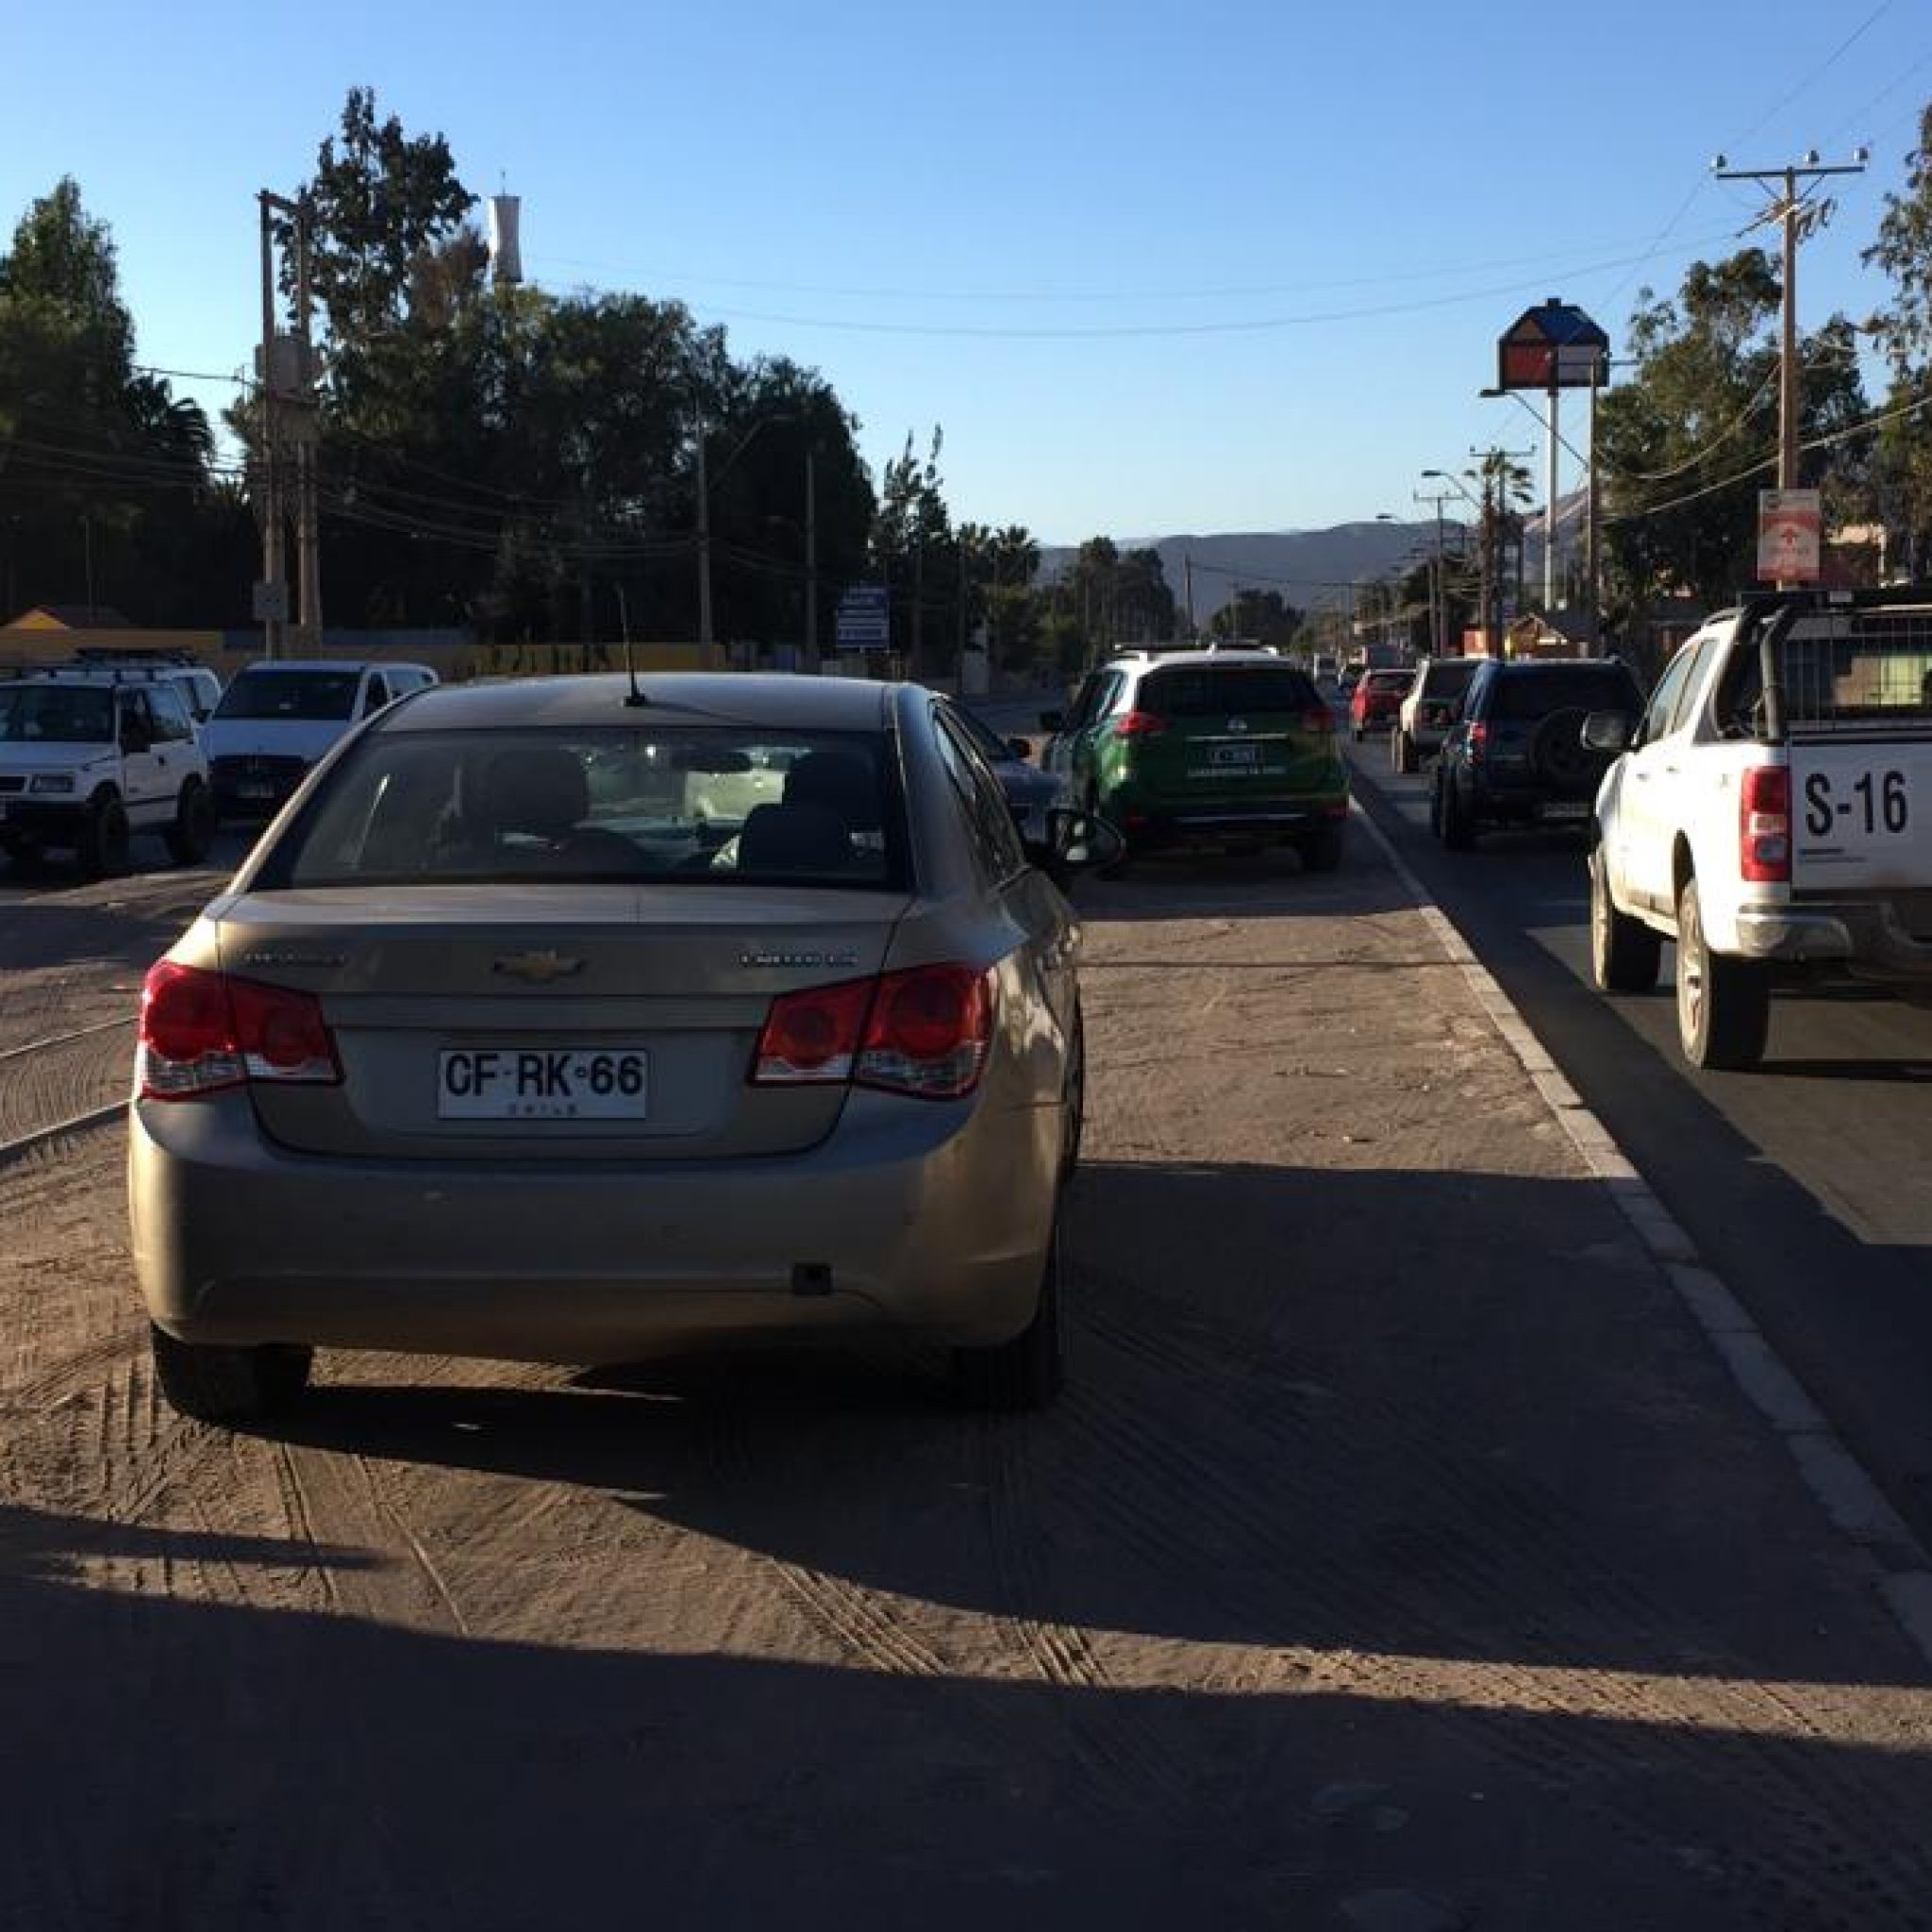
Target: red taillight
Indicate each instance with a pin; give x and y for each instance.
(812, 1035)
(1140, 724)
(922, 1031)
(1475, 738)
(201, 1032)
(1764, 825)
(929, 1032)
(1320, 722)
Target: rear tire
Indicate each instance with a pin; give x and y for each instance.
(1028, 1372)
(1320, 851)
(1452, 819)
(1625, 953)
(1074, 1101)
(103, 847)
(194, 830)
(1723, 1004)
(229, 1385)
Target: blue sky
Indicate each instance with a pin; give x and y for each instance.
(1227, 266)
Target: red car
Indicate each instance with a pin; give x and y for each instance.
(1377, 698)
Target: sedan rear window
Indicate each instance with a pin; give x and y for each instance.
(305, 694)
(657, 804)
(1225, 689)
(1573, 687)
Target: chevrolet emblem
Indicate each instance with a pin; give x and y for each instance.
(537, 969)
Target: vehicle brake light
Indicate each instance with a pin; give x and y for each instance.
(813, 1035)
(929, 1031)
(1475, 738)
(924, 1031)
(200, 1031)
(1764, 825)
(1140, 724)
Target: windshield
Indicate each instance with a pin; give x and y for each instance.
(660, 804)
(305, 694)
(55, 714)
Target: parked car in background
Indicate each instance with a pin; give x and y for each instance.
(1030, 790)
(87, 762)
(1232, 748)
(200, 687)
(1428, 708)
(279, 717)
(1515, 754)
(1769, 814)
(495, 1048)
(1376, 699)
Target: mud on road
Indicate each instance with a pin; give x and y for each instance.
(1399, 1557)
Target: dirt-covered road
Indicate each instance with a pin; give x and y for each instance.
(1400, 1556)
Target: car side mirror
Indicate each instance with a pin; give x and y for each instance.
(1052, 721)
(135, 737)
(1606, 731)
(1078, 841)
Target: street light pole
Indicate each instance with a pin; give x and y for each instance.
(704, 542)
(812, 563)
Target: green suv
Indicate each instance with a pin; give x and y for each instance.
(1209, 747)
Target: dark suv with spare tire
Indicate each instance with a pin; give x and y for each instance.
(1515, 754)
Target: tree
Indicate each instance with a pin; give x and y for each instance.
(1903, 464)
(912, 540)
(378, 205)
(1687, 444)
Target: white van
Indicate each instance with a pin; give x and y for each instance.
(280, 715)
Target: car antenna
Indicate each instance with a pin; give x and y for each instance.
(636, 700)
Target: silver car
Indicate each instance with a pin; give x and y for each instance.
(506, 1043)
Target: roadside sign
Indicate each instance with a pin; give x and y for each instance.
(1787, 530)
(270, 602)
(864, 618)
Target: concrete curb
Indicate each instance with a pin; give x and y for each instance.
(1901, 1570)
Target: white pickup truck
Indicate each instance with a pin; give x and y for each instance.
(1771, 814)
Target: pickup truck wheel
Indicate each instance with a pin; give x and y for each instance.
(1723, 1004)
(103, 845)
(1625, 953)
(193, 829)
(1452, 817)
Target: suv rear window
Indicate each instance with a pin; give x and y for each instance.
(1535, 692)
(1184, 691)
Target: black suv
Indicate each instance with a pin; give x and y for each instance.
(1515, 754)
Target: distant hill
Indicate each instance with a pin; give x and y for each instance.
(1309, 568)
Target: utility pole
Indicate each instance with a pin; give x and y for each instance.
(1799, 215)
(704, 541)
(1438, 613)
(271, 594)
(812, 563)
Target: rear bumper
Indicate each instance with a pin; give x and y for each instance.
(1864, 937)
(927, 1218)
(1207, 825)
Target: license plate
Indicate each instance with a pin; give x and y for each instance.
(1567, 809)
(254, 791)
(1239, 755)
(542, 1083)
